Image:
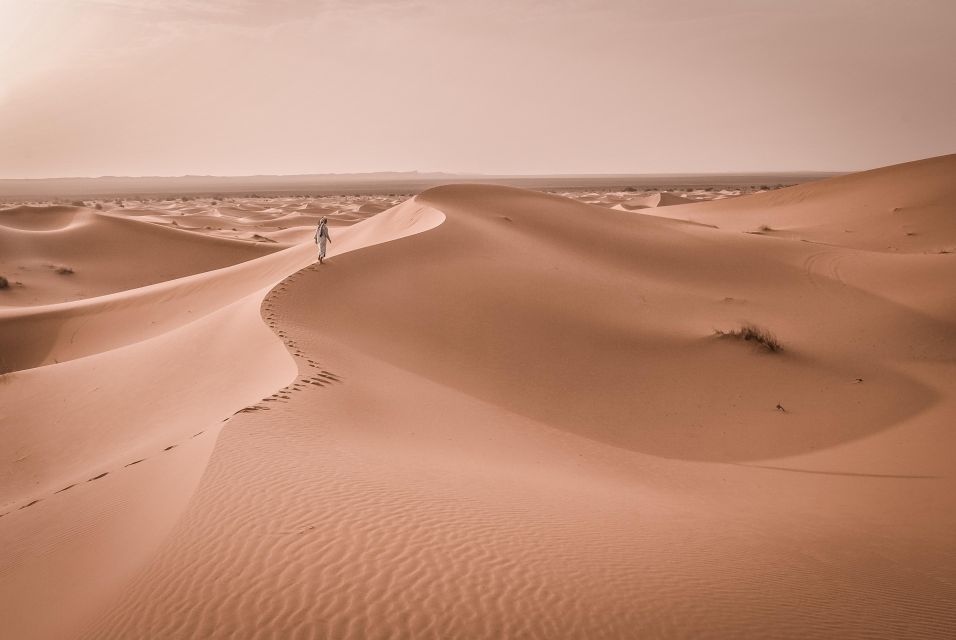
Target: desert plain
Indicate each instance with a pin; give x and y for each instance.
(492, 413)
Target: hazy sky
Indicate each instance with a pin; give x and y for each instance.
(227, 87)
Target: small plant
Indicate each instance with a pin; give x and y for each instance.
(98, 206)
(4, 283)
(753, 333)
(78, 203)
(764, 228)
(63, 270)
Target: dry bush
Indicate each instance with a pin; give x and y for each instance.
(63, 270)
(4, 283)
(753, 333)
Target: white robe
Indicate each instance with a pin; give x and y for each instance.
(321, 236)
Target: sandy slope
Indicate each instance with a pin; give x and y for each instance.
(906, 208)
(106, 254)
(96, 472)
(519, 423)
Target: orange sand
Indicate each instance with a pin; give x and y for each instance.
(500, 413)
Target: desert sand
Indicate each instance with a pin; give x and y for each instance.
(493, 413)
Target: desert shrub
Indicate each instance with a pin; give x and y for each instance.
(99, 205)
(4, 283)
(753, 333)
(62, 270)
(78, 203)
(764, 228)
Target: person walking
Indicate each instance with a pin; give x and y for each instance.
(321, 237)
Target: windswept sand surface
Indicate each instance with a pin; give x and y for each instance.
(492, 413)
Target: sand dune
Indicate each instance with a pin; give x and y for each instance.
(106, 254)
(495, 413)
(40, 218)
(662, 199)
(141, 375)
(906, 208)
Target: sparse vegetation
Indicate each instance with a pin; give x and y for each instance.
(752, 333)
(62, 270)
(764, 228)
(4, 283)
(78, 203)
(99, 206)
